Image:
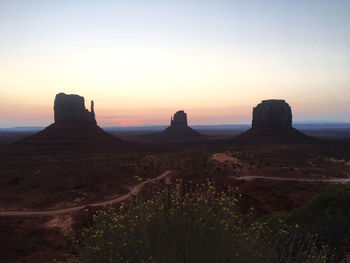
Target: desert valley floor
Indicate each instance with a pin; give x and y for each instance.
(53, 180)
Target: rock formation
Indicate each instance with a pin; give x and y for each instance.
(272, 122)
(179, 129)
(74, 126)
(179, 119)
(71, 109)
(272, 113)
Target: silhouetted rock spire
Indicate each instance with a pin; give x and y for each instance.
(71, 109)
(180, 119)
(74, 125)
(178, 129)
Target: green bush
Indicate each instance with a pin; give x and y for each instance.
(326, 215)
(196, 224)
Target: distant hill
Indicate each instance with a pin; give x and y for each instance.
(307, 125)
(23, 128)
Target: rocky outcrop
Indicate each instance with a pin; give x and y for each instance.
(272, 113)
(70, 109)
(74, 126)
(179, 129)
(179, 119)
(272, 122)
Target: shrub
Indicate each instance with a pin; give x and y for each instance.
(187, 223)
(326, 215)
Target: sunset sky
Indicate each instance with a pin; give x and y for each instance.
(141, 61)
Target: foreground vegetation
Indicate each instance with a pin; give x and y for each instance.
(192, 223)
(326, 215)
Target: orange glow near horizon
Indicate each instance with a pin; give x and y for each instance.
(214, 61)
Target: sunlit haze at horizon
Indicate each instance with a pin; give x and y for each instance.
(141, 61)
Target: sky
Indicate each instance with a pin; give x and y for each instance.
(141, 61)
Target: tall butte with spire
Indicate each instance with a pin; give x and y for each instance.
(272, 121)
(74, 125)
(70, 109)
(179, 129)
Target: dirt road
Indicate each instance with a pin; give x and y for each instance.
(70, 210)
(334, 180)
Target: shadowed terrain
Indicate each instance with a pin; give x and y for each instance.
(49, 179)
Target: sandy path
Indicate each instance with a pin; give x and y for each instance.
(119, 199)
(335, 180)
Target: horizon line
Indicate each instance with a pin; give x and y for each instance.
(161, 125)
